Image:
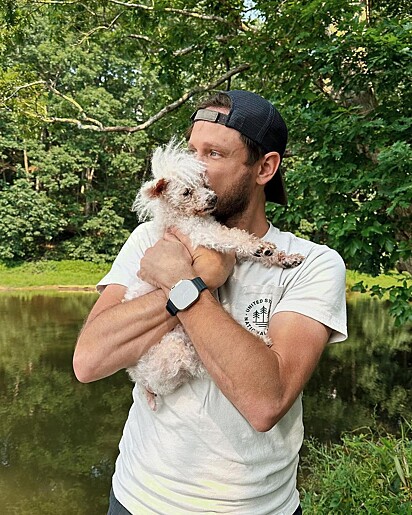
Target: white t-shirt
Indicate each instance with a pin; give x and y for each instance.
(197, 453)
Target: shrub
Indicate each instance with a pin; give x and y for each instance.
(100, 240)
(28, 221)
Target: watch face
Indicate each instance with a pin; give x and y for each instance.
(184, 294)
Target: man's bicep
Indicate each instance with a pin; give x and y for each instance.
(298, 342)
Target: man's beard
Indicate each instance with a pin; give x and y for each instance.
(231, 206)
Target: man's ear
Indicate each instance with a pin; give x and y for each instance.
(269, 166)
(154, 189)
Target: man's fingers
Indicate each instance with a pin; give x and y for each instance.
(175, 234)
(168, 236)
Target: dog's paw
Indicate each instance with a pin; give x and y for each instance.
(290, 260)
(264, 249)
(280, 258)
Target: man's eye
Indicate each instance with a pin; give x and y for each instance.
(214, 153)
(186, 193)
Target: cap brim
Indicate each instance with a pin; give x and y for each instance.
(275, 189)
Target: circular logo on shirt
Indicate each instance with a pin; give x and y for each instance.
(257, 315)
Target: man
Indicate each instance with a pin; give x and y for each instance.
(228, 444)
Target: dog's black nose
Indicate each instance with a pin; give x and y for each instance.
(212, 201)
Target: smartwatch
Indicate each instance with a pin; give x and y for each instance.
(184, 294)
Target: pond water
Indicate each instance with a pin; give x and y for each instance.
(58, 438)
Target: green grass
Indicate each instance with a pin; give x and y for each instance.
(384, 280)
(366, 473)
(52, 273)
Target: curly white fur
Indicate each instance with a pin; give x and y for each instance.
(179, 195)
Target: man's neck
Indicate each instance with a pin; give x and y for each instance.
(253, 220)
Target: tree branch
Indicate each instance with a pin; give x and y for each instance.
(100, 27)
(156, 48)
(176, 53)
(170, 9)
(183, 51)
(140, 36)
(193, 14)
(86, 122)
(208, 17)
(177, 103)
(24, 86)
(65, 2)
(76, 105)
(56, 2)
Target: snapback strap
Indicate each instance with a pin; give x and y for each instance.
(208, 115)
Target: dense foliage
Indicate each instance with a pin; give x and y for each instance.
(90, 87)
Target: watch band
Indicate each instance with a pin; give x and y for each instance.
(200, 285)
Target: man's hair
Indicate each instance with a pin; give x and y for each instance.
(220, 99)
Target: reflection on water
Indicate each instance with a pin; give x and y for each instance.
(58, 438)
(365, 381)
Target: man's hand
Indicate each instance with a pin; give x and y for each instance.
(164, 264)
(212, 266)
(173, 258)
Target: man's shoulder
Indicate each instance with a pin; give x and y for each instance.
(124, 267)
(144, 228)
(145, 232)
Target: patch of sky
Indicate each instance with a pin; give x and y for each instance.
(251, 13)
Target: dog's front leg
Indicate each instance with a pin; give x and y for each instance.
(268, 254)
(247, 246)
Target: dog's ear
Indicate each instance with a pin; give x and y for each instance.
(155, 188)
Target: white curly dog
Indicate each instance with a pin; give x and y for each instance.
(179, 196)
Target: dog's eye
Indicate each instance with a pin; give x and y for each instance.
(187, 192)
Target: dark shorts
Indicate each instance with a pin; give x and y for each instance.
(115, 508)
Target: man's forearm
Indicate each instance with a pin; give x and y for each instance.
(118, 336)
(240, 363)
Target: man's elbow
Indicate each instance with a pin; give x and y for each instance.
(83, 372)
(82, 375)
(265, 418)
(264, 424)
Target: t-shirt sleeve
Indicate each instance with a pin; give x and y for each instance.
(127, 262)
(318, 291)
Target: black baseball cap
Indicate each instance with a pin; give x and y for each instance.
(258, 119)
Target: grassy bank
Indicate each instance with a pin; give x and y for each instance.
(52, 273)
(86, 274)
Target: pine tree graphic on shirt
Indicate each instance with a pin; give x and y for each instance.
(260, 317)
